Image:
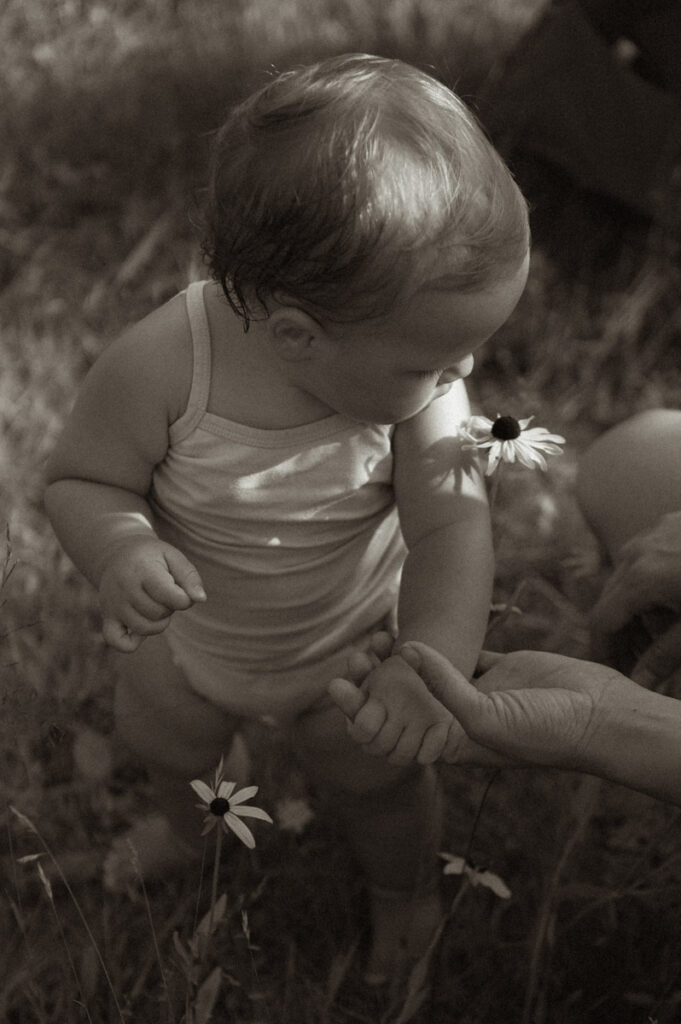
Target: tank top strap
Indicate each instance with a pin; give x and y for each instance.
(200, 387)
(200, 330)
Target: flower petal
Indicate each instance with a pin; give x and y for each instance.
(203, 790)
(248, 811)
(541, 434)
(510, 450)
(454, 865)
(244, 794)
(529, 456)
(495, 883)
(225, 789)
(493, 459)
(240, 830)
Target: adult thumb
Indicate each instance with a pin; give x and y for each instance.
(443, 680)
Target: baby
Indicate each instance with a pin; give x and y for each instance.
(266, 471)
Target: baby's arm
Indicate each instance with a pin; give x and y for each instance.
(446, 582)
(100, 473)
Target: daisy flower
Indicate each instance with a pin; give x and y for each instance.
(220, 801)
(476, 875)
(509, 440)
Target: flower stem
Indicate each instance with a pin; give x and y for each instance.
(214, 885)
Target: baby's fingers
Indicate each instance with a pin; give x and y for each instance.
(381, 644)
(116, 635)
(185, 578)
(434, 742)
(365, 717)
(348, 697)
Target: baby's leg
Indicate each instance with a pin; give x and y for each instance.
(179, 736)
(630, 476)
(392, 817)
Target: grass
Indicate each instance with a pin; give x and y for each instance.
(103, 134)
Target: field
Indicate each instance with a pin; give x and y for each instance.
(106, 114)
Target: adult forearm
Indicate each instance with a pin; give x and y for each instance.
(91, 520)
(446, 592)
(636, 741)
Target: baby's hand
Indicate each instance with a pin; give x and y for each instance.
(144, 581)
(392, 714)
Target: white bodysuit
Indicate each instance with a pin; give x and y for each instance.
(295, 535)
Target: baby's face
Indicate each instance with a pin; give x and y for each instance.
(386, 371)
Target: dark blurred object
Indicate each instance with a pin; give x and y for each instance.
(594, 88)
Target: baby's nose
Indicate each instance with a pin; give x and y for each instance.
(457, 371)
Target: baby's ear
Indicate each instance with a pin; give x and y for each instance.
(295, 335)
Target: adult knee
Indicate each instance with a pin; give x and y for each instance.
(631, 475)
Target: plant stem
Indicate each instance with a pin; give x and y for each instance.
(214, 886)
(27, 821)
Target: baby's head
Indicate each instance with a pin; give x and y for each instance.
(344, 185)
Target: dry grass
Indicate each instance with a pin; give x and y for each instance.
(103, 140)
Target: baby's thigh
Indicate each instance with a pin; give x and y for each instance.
(331, 758)
(160, 717)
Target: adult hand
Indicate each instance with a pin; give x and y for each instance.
(528, 706)
(646, 577)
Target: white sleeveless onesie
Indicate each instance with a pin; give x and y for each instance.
(295, 535)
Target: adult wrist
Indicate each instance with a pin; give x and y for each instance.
(636, 741)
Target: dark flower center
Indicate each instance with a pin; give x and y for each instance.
(219, 806)
(505, 428)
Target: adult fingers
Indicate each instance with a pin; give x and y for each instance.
(625, 593)
(661, 659)
(445, 683)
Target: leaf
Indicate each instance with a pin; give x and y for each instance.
(218, 914)
(45, 880)
(206, 996)
(183, 954)
(339, 968)
(23, 819)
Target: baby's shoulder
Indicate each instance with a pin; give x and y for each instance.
(157, 352)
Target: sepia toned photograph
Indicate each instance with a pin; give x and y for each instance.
(340, 511)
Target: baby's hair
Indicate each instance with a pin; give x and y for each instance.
(335, 185)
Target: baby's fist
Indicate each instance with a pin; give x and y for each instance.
(393, 715)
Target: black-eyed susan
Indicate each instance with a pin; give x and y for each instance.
(221, 802)
(507, 439)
